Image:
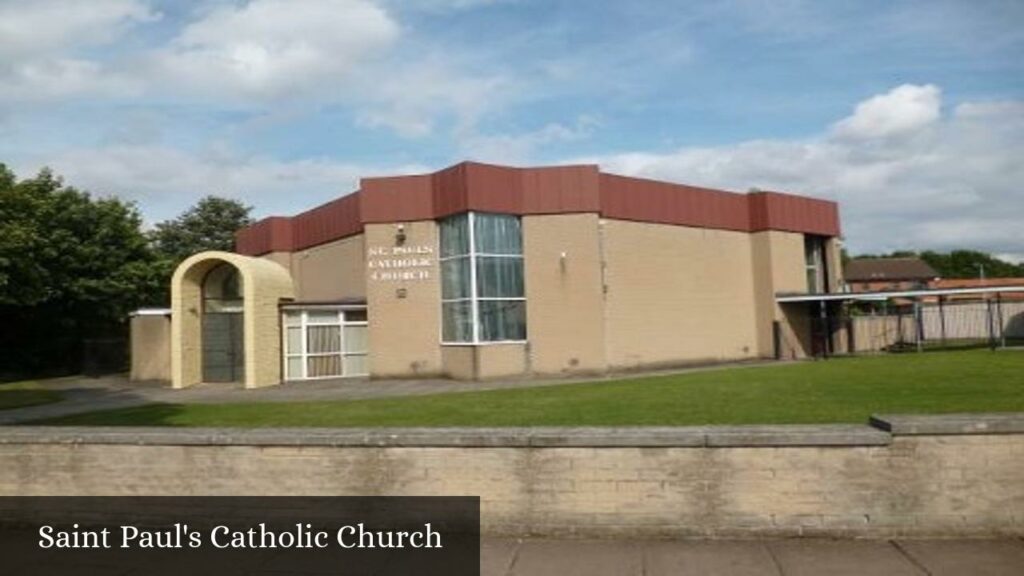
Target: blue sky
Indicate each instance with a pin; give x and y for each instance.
(910, 114)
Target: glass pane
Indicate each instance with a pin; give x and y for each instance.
(502, 320)
(455, 278)
(292, 318)
(812, 280)
(324, 366)
(356, 366)
(223, 283)
(497, 234)
(294, 367)
(355, 316)
(217, 305)
(320, 339)
(499, 277)
(356, 338)
(322, 317)
(457, 322)
(812, 250)
(294, 341)
(455, 235)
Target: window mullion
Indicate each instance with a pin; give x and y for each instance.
(305, 348)
(474, 309)
(341, 343)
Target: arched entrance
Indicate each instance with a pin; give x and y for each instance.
(223, 348)
(225, 323)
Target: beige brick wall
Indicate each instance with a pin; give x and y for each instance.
(917, 486)
(405, 331)
(779, 267)
(331, 271)
(151, 347)
(764, 292)
(485, 362)
(501, 360)
(284, 259)
(677, 294)
(459, 361)
(833, 255)
(265, 285)
(564, 296)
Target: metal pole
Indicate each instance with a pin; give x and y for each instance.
(999, 312)
(942, 320)
(851, 345)
(991, 331)
(823, 323)
(919, 324)
(899, 328)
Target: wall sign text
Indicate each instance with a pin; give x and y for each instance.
(400, 263)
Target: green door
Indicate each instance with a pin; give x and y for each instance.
(223, 351)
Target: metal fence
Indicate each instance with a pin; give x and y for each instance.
(893, 326)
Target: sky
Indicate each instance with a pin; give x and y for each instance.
(909, 114)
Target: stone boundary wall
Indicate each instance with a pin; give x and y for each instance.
(917, 476)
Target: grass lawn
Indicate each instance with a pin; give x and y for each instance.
(22, 394)
(840, 390)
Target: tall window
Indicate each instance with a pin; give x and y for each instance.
(482, 293)
(814, 258)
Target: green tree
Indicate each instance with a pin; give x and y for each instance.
(969, 264)
(209, 225)
(71, 267)
(960, 263)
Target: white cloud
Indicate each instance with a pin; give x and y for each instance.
(521, 148)
(266, 56)
(60, 78)
(39, 41)
(956, 186)
(277, 48)
(903, 110)
(165, 181)
(444, 5)
(41, 28)
(411, 98)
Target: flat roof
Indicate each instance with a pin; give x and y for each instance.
(540, 190)
(887, 294)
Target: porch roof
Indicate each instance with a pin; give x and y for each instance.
(888, 294)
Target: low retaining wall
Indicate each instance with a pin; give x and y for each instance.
(905, 476)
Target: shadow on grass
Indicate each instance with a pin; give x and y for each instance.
(145, 415)
(32, 402)
(951, 346)
(25, 394)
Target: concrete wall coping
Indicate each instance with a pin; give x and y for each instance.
(879, 433)
(685, 437)
(947, 424)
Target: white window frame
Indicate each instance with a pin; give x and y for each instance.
(474, 298)
(304, 355)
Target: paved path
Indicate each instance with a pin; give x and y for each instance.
(83, 394)
(754, 558)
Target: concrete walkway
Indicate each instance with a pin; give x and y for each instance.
(754, 557)
(82, 394)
